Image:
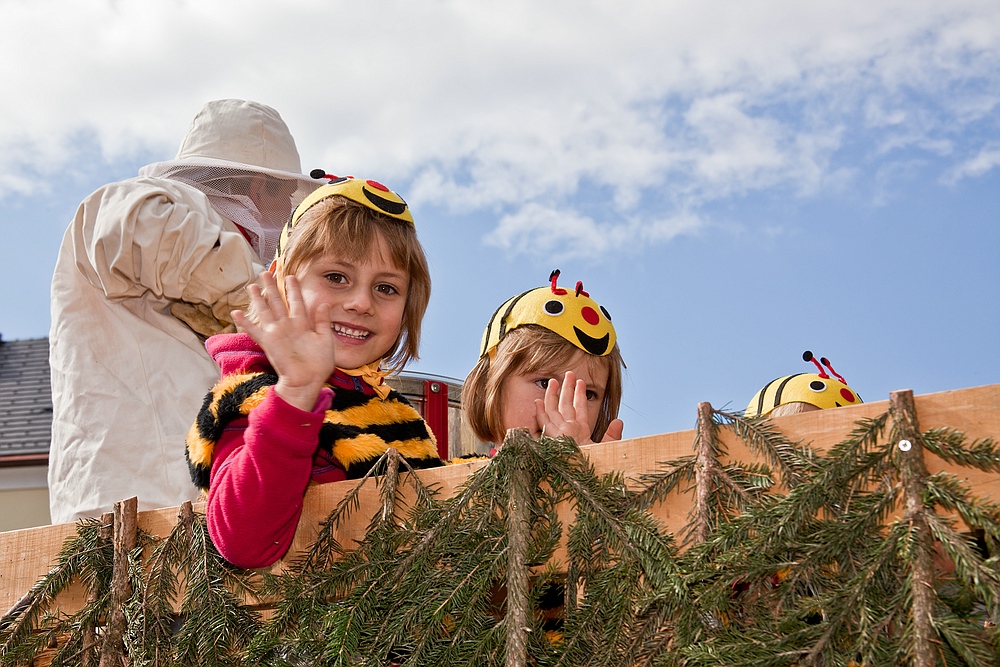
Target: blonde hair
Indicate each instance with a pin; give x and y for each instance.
(353, 230)
(793, 408)
(528, 349)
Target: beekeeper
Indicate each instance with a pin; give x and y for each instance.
(148, 268)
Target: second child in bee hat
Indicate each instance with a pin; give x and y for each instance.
(803, 392)
(549, 363)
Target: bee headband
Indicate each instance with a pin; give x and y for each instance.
(818, 389)
(570, 313)
(369, 193)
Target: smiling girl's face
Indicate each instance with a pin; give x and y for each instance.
(367, 298)
(371, 270)
(520, 390)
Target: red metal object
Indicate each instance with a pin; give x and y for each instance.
(436, 413)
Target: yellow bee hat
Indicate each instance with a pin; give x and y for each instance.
(818, 389)
(369, 193)
(570, 313)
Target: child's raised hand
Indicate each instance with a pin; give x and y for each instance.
(614, 432)
(564, 412)
(300, 350)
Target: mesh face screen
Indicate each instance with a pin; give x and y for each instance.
(258, 202)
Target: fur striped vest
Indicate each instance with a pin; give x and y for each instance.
(357, 429)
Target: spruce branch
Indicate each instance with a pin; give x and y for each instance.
(914, 474)
(91, 656)
(217, 625)
(853, 464)
(656, 486)
(518, 528)
(326, 547)
(150, 636)
(946, 491)
(961, 643)
(579, 479)
(125, 539)
(970, 567)
(707, 474)
(389, 496)
(949, 445)
(793, 460)
(26, 628)
(454, 509)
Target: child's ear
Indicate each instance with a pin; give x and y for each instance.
(274, 267)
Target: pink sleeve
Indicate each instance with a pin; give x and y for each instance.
(260, 472)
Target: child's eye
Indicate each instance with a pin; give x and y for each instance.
(338, 278)
(591, 395)
(543, 383)
(386, 289)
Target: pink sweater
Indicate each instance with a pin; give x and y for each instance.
(262, 464)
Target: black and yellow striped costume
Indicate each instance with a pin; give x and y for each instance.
(357, 429)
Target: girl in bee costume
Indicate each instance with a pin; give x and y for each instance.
(532, 341)
(302, 397)
(803, 392)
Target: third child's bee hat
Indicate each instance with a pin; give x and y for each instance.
(818, 389)
(570, 313)
(369, 193)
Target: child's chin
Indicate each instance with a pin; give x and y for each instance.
(357, 356)
(349, 361)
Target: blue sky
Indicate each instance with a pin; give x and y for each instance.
(735, 182)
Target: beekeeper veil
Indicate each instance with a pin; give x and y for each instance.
(242, 156)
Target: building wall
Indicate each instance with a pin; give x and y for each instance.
(24, 498)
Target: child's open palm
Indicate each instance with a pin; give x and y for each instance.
(300, 350)
(563, 411)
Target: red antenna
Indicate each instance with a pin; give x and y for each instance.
(826, 362)
(321, 173)
(553, 277)
(808, 356)
(579, 288)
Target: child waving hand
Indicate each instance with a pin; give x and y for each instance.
(302, 397)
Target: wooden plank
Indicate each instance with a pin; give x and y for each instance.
(26, 555)
(321, 499)
(975, 412)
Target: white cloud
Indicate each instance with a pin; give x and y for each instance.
(560, 234)
(733, 150)
(985, 160)
(515, 106)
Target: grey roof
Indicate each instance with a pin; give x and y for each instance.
(25, 397)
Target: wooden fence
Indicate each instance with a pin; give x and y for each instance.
(26, 555)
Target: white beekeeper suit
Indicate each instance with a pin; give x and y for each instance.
(147, 269)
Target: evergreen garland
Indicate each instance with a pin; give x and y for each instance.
(852, 557)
